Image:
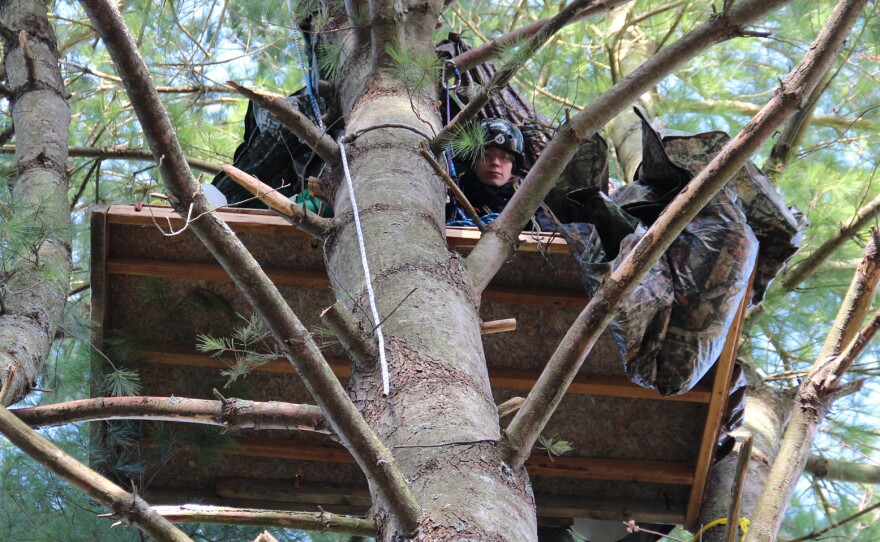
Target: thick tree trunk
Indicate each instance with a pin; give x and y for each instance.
(34, 278)
(439, 419)
(766, 415)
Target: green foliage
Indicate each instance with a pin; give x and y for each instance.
(418, 69)
(469, 142)
(122, 383)
(554, 447)
(251, 346)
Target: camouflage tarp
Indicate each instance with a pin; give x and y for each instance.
(671, 330)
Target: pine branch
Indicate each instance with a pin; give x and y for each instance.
(489, 50)
(297, 345)
(498, 244)
(507, 71)
(229, 413)
(307, 521)
(124, 153)
(295, 121)
(815, 535)
(297, 215)
(129, 508)
(580, 338)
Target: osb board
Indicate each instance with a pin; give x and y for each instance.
(599, 427)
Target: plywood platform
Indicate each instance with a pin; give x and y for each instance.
(636, 454)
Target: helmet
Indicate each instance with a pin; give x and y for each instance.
(504, 135)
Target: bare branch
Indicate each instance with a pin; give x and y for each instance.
(124, 153)
(816, 535)
(491, 48)
(580, 338)
(456, 191)
(129, 508)
(351, 336)
(295, 342)
(295, 121)
(297, 215)
(499, 242)
(230, 414)
(507, 71)
(309, 521)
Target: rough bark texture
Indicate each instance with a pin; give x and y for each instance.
(439, 419)
(34, 281)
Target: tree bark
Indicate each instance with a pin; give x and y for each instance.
(34, 282)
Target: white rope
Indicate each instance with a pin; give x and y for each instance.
(360, 235)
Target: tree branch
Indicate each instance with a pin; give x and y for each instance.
(229, 414)
(351, 336)
(456, 191)
(470, 59)
(816, 534)
(580, 338)
(295, 121)
(842, 471)
(497, 245)
(124, 153)
(507, 71)
(386, 29)
(128, 507)
(293, 339)
(309, 521)
(297, 215)
(806, 267)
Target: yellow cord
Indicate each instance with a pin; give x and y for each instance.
(743, 526)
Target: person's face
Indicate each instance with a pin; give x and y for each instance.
(495, 167)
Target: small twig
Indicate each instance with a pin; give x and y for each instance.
(411, 292)
(347, 329)
(28, 58)
(816, 534)
(357, 133)
(510, 406)
(497, 326)
(745, 452)
(456, 191)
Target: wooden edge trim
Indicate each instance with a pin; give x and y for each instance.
(267, 222)
(548, 297)
(499, 378)
(587, 468)
(715, 414)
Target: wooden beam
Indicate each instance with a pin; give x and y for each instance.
(355, 500)
(268, 223)
(626, 470)
(299, 278)
(514, 379)
(717, 404)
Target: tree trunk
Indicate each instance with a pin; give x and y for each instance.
(766, 415)
(35, 273)
(439, 420)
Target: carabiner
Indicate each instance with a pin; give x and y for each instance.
(456, 74)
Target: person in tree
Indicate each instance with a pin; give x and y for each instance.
(488, 182)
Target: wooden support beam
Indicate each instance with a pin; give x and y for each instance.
(514, 379)
(627, 470)
(355, 500)
(723, 372)
(299, 278)
(268, 223)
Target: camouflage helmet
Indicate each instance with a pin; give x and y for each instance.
(504, 135)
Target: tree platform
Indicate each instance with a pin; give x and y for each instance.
(636, 455)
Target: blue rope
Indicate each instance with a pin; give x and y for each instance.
(306, 74)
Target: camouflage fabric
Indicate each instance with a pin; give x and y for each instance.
(672, 328)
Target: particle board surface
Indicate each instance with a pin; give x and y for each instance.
(160, 291)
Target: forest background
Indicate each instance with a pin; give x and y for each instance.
(194, 47)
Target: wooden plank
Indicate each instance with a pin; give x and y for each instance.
(514, 379)
(211, 271)
(627, 470)
(717, 404)
(268, 223)
(545, 297)
(292, 498)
